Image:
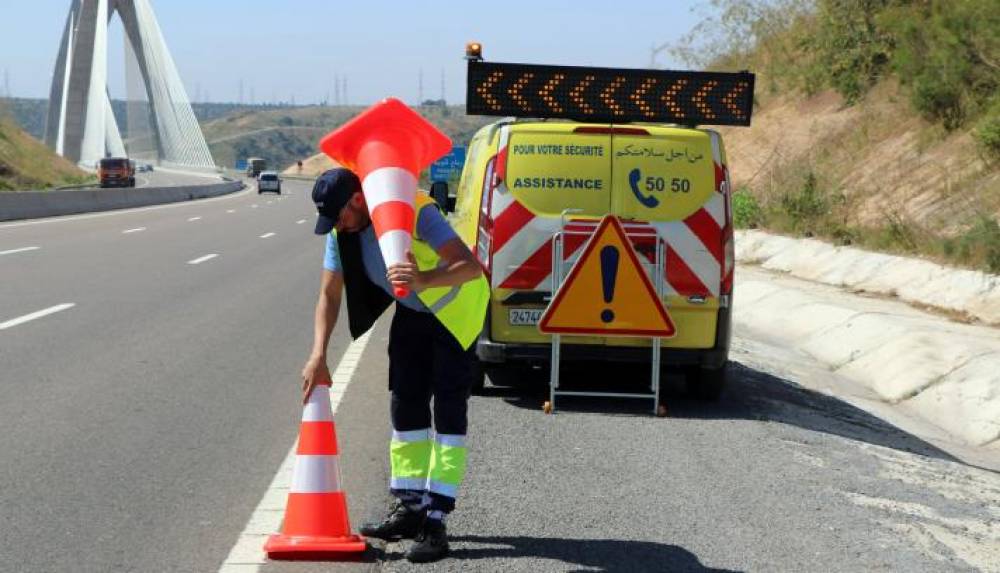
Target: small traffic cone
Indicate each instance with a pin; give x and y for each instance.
(387, 146)
(316, 523)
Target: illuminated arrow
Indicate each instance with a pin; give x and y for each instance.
(546, 92)
(578, 90)
(670, 98)
(608, 96)
(700, 97)
(515, 91)
(734, 96)
(486, 88)
(639, 95)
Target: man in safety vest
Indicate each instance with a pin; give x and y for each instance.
(430, 348)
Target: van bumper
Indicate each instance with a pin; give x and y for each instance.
(715, 357)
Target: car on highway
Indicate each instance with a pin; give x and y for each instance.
(269, 181)
(532, 181)
(116, 172)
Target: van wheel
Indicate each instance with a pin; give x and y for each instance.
(707, 383)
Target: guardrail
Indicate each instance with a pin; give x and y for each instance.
(37, 204)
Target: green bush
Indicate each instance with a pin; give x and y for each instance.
(980, 245)
(807, 207)
(987, 135)
(747, 213)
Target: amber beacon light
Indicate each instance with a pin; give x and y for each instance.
(474, 51)
(618, 95)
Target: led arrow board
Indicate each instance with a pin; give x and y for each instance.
(613, 95)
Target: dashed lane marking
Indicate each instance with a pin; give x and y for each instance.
(36, 315)
(200, 260)
(247, 555)
(300, 221)
(267, 235)
(135, 230)
(230, 210)
(254, 206)
(194, 219)
(21, 250)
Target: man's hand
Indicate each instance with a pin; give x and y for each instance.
(406, 274)
(314, 373)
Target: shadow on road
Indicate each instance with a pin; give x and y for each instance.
(750, 395)
(593, 554)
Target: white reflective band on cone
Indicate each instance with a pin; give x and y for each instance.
(394, 245)
(412, 435)
(389, 184)
(315, 474)
(318, 408)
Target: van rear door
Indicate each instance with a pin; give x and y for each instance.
(666, 177)
(550, 168)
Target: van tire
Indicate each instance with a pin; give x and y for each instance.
(707, 383)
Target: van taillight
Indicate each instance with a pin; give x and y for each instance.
(484, 231)
(728, 243)
(611, 130)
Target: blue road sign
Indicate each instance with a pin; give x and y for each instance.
(241, 164)
(450, 166)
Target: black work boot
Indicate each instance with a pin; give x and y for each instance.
(431, 544)
(402, 523)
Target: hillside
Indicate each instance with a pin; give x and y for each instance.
(877, 126)
(26, 163)
(285, 136)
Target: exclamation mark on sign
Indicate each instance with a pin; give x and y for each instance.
(609, 273)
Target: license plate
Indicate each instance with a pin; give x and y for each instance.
(525, 316)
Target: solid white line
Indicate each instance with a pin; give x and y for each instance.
(193, 219)
(29, 317)
(247, 555)
(200, 260)
(266, 235)
(300, 221)
(135, 230)
(21, 250)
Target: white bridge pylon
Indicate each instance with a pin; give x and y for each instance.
(81, 125)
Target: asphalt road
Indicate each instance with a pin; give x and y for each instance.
(140, 428)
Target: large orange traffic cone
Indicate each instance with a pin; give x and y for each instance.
(316, 523)
(387, 146)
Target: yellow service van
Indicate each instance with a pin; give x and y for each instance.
(526, 180)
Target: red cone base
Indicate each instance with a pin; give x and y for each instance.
(290, 547)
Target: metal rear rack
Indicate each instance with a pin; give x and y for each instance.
(559, 271)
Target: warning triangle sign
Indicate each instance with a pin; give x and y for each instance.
(607, 292)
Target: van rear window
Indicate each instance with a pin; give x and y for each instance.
(114, 163)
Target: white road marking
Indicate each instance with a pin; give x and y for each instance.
(21, 250)
(135, 230)
(200, 260)
(267, 235)
(269, 202)
(247, 555)
(300, 221)
(230, 210)
(193, 219)
(35, 315)
(254, 206)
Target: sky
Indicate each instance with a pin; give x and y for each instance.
(291, 50)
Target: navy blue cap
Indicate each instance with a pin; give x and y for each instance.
(332, 190)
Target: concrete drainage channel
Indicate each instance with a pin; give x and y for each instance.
(946, 372)
(38, 204)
